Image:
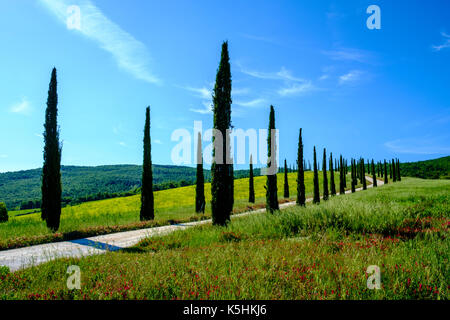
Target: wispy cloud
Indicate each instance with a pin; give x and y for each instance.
(349, 54)
(22, 107)
(296, 88)
(444, 45)
(3, 156)
(350, 77)
(283, 74)
(130, 54)
(157, 141)
(252, 103)
(123, 144)
(430, 146)
(206, 110)
(39, 135)
(203, 92)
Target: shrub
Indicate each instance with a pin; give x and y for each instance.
(3, 213)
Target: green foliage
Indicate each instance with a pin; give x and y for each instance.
(251, 184)
(286, 182)
(325, 178)
(3, 213)
(51, 170)
(300, 173)
(316, 198)
(332, 183)
(147, 200)
(271, 187)
(222, 183)
(200, 181)
(429, 169)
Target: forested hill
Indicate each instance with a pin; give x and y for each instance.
(428, 169)
(90, 183)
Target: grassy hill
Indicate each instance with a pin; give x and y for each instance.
(313, 252)
(90, 183)
(429, 169)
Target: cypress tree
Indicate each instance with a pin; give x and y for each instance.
(222, 180)
(353, 176)
(271, 187)
(385, 172)
(301, 197)
(332, 184)
(390, 170)
(51, 170)
(374, 176)
(345, 173)
(368, 166)
(251, 187)
(394, 171)
(147, 200)
(341, 177)
(286, 182)
(325, 178)
(363, 174)
(316, 180)
(399, 178)
(200, 181)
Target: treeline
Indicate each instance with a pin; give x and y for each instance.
(428, 169)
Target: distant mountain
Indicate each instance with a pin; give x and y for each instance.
(428, 169)
(87, 182)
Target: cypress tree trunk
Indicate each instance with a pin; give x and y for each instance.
(316, 198)
(332, 184)
(51, 170)
(200, 181)
(385, 173)
(399, 178)
(271, 188)
(251, 187)
(374, 176)
(222, 180)
(147, 200)
(286, 182)
(325, 178)
(301, 197)
(341, 176)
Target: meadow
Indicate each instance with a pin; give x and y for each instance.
(122, 214)
(313, 252)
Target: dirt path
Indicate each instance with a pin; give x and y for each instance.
(20, 258)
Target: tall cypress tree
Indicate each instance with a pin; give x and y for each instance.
(363, 174)
(271, 187)
(325, 177)
(385, 172)
(301, 197)
(341, 176)
(399, 178)
(316, 198)
(251, 186)
(332, 184)
(147, 200)
(222, 180)
(394, 171)
(200, 181)
(390, 170)
(286, 182)
(353, 176)
(51, 170)
(374, 175)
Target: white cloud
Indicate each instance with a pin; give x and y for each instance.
(22, 107)
(203, 92)
(39, 135)
(240, 91)
(283, 74)
(3, 156)
(296, 89)
(123, 144)
(157, 141)
(351, 76)
(349, 54)
(252, 103)
(323, 77)
(435, 145)
(446, 43)
(206, 110)
(130, 54)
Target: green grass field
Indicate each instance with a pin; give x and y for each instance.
(98, 217)
(316, 252)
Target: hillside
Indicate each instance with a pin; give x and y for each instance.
(428, 169)
(85, 183)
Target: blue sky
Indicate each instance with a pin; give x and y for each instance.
(372, 93)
